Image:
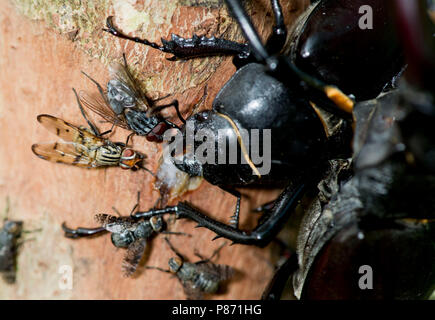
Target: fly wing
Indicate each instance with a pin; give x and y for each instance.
(219, 272)
(68, 132)
(123, 74)
(191, 292)
(133, 256)
(100, 106)
(63, 152)
(115, 224)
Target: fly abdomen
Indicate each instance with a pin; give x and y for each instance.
(200, 280)
(204, 283)
(139, 122)
(9, 235)
(122, 239)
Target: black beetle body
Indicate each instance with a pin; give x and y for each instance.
(382, 219)
(374, 238)
(330, 44)
(267, 94)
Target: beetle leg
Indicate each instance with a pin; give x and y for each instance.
(81, 232)
(128, 138)
(260, 236)
(234, 219)
(277, 40)
(187, 48)
(277, 285)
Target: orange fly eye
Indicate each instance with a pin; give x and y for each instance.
(125, 166)
(128, 153)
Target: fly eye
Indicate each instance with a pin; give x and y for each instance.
(175, 264)
(128, 153)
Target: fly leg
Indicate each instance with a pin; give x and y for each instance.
(81, 232)
(177, 109)
(93, 127)
(214, 254)
(173, 249)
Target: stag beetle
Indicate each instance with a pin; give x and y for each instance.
(381, 223)
(268, 91)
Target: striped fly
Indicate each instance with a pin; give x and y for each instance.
(84, 147)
